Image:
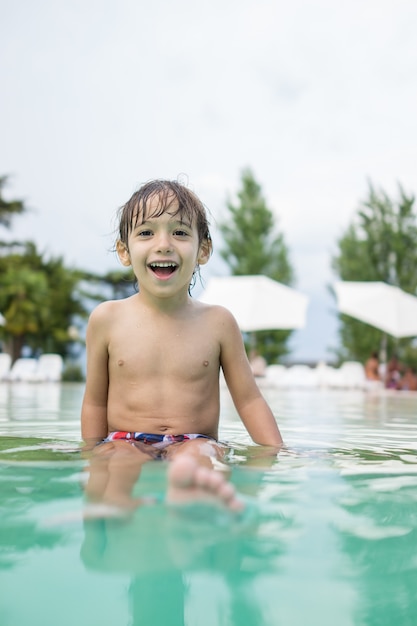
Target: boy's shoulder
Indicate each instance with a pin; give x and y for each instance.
(218, 313)
(110, 306)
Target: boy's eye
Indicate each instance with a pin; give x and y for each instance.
(180, 233)
(144, 233)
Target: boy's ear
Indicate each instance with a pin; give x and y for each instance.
(123, 253)
(204, 252)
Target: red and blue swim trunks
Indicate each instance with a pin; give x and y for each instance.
(155, 440)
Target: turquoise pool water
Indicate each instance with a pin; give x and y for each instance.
(329, 538)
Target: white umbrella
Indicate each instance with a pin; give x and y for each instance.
(2, 320)
(258, 302)
(385, 307)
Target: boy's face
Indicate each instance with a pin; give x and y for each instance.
(163, 251)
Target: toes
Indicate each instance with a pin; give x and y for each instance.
(199, 481)
(214, 483)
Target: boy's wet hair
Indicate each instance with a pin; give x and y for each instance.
(137, 210)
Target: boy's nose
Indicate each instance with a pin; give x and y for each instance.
(163, 243)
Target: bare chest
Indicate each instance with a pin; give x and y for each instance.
(160, 351)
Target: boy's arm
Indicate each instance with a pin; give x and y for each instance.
(260, 422)
(253, 409)
(94, 406)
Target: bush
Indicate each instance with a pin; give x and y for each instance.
(73, 374)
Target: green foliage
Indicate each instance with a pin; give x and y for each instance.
(379, 245)
(73, 374)
(39, 299)
(8, 209)
(253, 245)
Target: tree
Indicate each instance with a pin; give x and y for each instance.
(8, 209)
(253, 245)
(379, 245)
(39, 299)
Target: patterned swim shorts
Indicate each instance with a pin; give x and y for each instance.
(155, 440)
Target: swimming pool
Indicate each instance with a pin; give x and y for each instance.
(329, 537)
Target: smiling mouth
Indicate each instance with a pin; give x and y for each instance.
(163, 268)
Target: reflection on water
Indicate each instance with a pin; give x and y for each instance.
(329, 535)
(50, 409)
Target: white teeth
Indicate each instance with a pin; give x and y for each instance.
(163, 264)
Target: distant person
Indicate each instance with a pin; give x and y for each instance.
(393, 373)
(372, 367)
(409, 381)
(153, 362)
(257, 363)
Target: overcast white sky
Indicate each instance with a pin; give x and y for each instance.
(317, 97)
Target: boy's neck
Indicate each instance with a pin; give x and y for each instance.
(171, 304)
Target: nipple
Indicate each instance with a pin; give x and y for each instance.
(205, 363)
(120, 362)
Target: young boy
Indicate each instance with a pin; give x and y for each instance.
(153, 360)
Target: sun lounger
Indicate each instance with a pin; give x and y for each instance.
(49, 368)
(23, 369)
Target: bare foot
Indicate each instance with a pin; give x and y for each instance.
(190, 482)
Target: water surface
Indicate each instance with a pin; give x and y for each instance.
(329, 536)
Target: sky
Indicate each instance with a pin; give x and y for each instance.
(317, 97)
